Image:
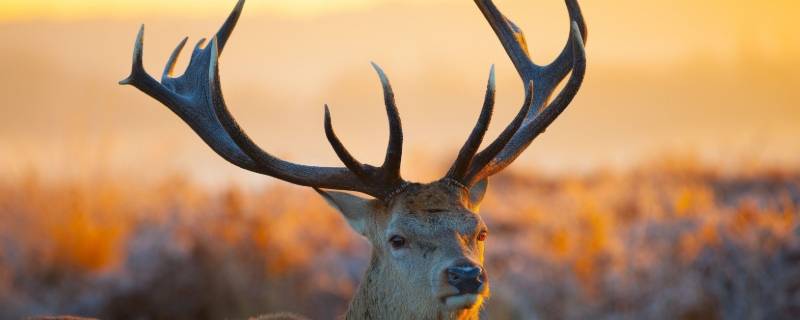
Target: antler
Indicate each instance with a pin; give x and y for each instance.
(197, 99)
(470, 168)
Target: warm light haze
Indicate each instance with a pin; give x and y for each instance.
(669, 189)
(714, 79)
(89, 9)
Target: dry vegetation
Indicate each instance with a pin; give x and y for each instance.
(666, 241)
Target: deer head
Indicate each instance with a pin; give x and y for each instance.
(428, 238)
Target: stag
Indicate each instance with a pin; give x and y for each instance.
(427, 239)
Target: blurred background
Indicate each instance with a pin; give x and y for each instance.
(669, 189)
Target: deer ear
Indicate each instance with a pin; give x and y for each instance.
(477, 192)
(354, 209)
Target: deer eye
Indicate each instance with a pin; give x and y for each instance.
(482, 235)
(397, 242)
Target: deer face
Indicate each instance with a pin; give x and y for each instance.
(428, 245)
(433, 240)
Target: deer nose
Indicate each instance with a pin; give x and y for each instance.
(467, 278)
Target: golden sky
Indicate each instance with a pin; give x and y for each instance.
(71, 9)
(716, 77)
(719, 29)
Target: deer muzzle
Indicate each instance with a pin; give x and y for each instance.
(467, 278)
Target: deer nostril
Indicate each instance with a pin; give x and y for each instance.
(466, 278)
(453, 276)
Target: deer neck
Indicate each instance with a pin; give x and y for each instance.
(382, 296)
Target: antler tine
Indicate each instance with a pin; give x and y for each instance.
(470, 147)
(137, 68)
(482, 161)
(169, 68)
(394, 149)
(227, 28)
(559, 68)
(349, 161)
(546, 79)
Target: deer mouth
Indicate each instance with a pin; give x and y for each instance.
(469, 297)
(462, 301)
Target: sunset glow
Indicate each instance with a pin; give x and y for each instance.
(81, 9)
(670, 187)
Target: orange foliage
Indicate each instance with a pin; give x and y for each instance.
(592, 238)
(81, 243)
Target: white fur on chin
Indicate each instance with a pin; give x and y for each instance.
(463, 301)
